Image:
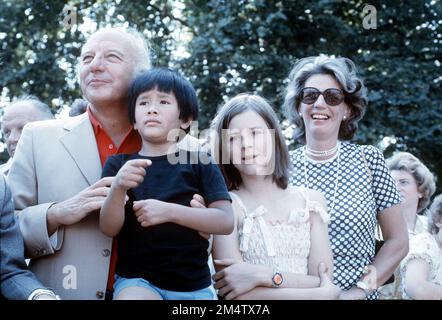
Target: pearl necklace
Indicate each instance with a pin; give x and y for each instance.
(337, 172)
(320, 153)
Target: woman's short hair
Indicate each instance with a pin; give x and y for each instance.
(435, 215)
(168, 81)
(235, 106)
(426, 185)
(344, 72)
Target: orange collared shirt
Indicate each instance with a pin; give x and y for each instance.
(106, 147)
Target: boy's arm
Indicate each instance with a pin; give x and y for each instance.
(129, 176)
(216, 219)
(112, 212)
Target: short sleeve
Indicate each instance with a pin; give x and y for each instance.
(112, 165)
(212, 184)
(423, 247)
(385, 192)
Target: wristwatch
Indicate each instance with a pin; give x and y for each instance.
(362, 285)
(277, 279)
(39, 292)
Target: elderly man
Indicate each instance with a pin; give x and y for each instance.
(20, 112)
(55, 175)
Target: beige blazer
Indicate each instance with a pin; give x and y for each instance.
(55, 160)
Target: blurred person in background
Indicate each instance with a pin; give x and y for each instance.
(21, 111)
(416, 185)
(421, 270)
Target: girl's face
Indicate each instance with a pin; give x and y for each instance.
(408, 188)
(321, 120)
(157, 116)
(250, 144)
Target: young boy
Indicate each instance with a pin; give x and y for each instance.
(161, 254)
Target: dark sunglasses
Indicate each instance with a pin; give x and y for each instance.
(332, 96)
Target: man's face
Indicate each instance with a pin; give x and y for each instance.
(14, 119)
(107, 67)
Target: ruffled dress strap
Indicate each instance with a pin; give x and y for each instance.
(311, 205)
(249, 219)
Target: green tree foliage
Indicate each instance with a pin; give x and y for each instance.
(251, 45)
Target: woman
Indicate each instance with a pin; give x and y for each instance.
(416, 186)
(325, 99)
(421, 270)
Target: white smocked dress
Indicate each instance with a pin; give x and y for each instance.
(281, 245)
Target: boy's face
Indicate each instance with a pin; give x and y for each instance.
(157, 116)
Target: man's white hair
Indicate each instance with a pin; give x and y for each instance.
(43, 112)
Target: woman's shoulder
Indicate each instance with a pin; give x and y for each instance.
(296, 153)
(422, 242)
(370, 151)
(422, 247)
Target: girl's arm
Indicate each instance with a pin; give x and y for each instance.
(327, 290)
(235, 277)
(416, 281)
(320, 249)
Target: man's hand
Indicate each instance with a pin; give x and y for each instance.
(131, 174)
(79, 206)
(152, 212)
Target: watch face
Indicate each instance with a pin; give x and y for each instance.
(277, 279)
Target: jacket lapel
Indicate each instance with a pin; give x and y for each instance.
(79, 141)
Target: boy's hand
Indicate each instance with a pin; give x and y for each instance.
(131, 174)
(151, 212)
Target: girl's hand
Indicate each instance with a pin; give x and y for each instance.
(131, 174)
(329, 290)
(152, 212)
(354, 293)
(235, 279)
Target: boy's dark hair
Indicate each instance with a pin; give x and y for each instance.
(165, 80)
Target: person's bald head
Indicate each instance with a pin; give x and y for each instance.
(110, 59)
(20, 112)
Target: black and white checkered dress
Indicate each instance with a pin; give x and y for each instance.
(358, 200)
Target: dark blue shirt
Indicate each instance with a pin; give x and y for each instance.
(168, 255)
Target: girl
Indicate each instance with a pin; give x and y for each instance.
(161, 254)
(280, 235)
